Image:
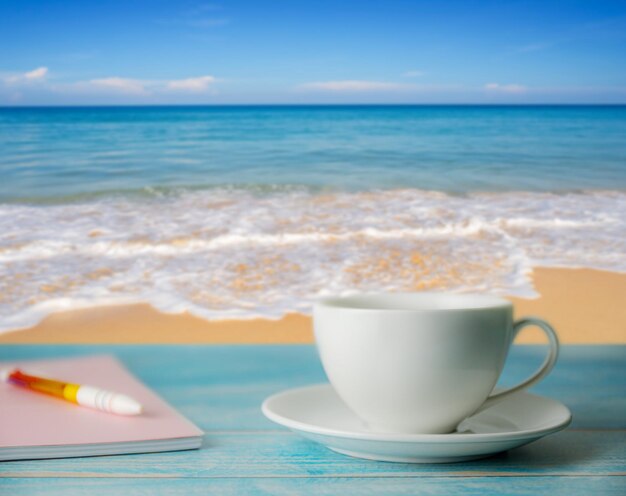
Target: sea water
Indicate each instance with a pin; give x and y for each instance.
(239, 212)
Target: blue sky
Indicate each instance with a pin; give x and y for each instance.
(293, 51)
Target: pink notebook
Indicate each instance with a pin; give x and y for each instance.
(34, 425)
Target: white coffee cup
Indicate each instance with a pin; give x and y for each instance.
(420, 362)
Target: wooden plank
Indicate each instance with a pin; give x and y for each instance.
(221, 387)
(268, 454)
(504, 486)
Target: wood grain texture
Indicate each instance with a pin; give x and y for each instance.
(221, 388)
(283, 454)
(483, 486)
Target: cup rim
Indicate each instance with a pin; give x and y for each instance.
(367, 302)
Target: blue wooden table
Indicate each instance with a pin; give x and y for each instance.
(221, 388)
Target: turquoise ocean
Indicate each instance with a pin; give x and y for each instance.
(247, 211)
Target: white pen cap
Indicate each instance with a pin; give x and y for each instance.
(107, 401)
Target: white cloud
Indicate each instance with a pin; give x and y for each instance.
(119, 85)
(355, 86)
(506, 88)
(36, 74)
(413, 74)
(33, 76)
(137, 87)
(194, 85)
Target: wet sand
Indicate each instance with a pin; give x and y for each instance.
(585, 306)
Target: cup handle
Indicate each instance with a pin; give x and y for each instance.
(545, 368)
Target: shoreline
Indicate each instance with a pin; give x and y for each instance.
(586, 306)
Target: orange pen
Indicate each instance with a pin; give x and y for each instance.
(88, 396)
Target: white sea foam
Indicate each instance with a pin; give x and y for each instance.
(236, 254)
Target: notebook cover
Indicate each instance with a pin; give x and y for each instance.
(29, 419)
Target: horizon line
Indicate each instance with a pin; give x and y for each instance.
(460, 104)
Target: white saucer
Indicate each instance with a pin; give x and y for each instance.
(317, 413)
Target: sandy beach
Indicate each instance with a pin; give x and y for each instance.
(585, 306)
